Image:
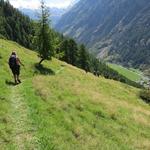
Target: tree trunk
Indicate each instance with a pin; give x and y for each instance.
(41, 61)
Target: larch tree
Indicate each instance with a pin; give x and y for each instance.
(83, 58)
(44, 38)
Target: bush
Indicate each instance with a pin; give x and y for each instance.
(145, 95)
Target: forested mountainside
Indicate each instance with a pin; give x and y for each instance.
(14, 25)
(117, 30)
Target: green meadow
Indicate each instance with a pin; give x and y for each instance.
(60, 107)
(132, 74)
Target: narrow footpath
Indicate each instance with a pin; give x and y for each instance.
(22, 126)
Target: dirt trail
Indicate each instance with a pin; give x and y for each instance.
(22, 129)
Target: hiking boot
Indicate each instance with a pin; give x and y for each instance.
(19, 81)
(16, 82)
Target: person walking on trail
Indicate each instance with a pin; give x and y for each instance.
(14, 64)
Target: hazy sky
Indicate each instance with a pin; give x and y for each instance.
(33, 4)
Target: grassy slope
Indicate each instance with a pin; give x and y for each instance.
(63, 108)
(131, 74)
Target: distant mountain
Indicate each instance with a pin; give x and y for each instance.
(73, 3)
(56, 13)
(115, 30)
(29, 12)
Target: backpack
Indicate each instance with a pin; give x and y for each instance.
(12, 62)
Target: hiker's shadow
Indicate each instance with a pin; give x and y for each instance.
(40, 69)
(10, 83)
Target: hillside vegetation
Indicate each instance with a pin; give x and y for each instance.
(58, 106)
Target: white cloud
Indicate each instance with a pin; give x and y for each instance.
(34, 4)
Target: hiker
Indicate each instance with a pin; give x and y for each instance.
(14, 64)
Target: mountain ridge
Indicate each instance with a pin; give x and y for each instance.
(55, 13)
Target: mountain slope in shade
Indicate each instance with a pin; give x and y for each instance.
(132, 45)
(117, 30)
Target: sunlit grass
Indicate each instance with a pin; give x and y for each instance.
(131, 74)
(68, 109)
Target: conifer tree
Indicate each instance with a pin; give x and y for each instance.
(73, 52)
(70, 48)
(44, 35)
(83, 58)
(65, 49)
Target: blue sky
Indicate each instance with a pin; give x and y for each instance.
(34, 4)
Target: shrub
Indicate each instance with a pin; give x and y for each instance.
(145, 95)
